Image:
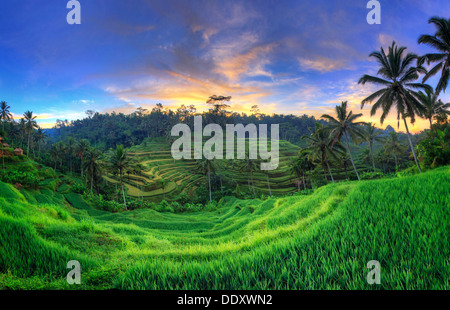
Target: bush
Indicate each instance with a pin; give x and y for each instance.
(79, 188)
(47, 173)
(408, 172)
(164, 206)
(27, 179)
(100, 203)
(434, 151)
(371, 175)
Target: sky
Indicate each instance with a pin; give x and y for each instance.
(286, 56)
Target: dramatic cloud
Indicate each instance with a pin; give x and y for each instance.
(286, 56)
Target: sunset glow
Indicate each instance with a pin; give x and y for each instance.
(288, 57)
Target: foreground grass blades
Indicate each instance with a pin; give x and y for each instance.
(320, 241)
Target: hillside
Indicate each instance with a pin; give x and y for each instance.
(318, 241)
(181, 176)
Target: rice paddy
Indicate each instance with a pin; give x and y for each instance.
(318, 241)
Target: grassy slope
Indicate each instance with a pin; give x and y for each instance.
(321, 241)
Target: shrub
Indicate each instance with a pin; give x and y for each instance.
(79, 188)
(408, 172)
(434, 151)
(371, 175)
(164, 206)
(100, 203)
(27, 179)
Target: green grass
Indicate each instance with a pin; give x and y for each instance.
(320, 241)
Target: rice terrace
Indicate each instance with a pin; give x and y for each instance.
(337, 176)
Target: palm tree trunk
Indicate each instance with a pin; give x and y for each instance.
(123, 195)
(351, 157)
(81, 166)
(303, 178)
(253, 185)
(329, 169)
(395, 157)
(123, 192)
(310, 178)
(268, 184)
(412, 148)
(28, 148)
(373, 158)
(209, 183)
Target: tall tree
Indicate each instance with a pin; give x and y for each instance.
(219, 108)
(120, 162)
(393, 146)
(30, 125)
(434, 107)
(441, 42)
(57, 151)
(345, 125)
(40, 138)
(206, 166)
(397, 77)
(371, 135)
(297, 168)
(250, 165)
(93, 166)
(80, 149)
(5, 114)
(320, 146)
(70, 152)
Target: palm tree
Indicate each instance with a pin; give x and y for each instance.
(206, 166)
(250, 165)
(371, 135)
(163, 183)
(346, 162)
(393, 146)
(434, 107)
(364, 156)
(56, 151)
(320, 147)
(22, 130)
(81, 147)
(40, 137)
(297, 168)
(93, 166)
(397, 76)
(441, 42)
(5, 114)
(120, 162)
(70, 151)
(345, 124)
(30, 125)
(266, 172)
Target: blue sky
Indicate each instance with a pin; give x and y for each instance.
(286, 56)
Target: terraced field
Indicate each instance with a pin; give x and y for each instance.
(319, 241)
(181, 175)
